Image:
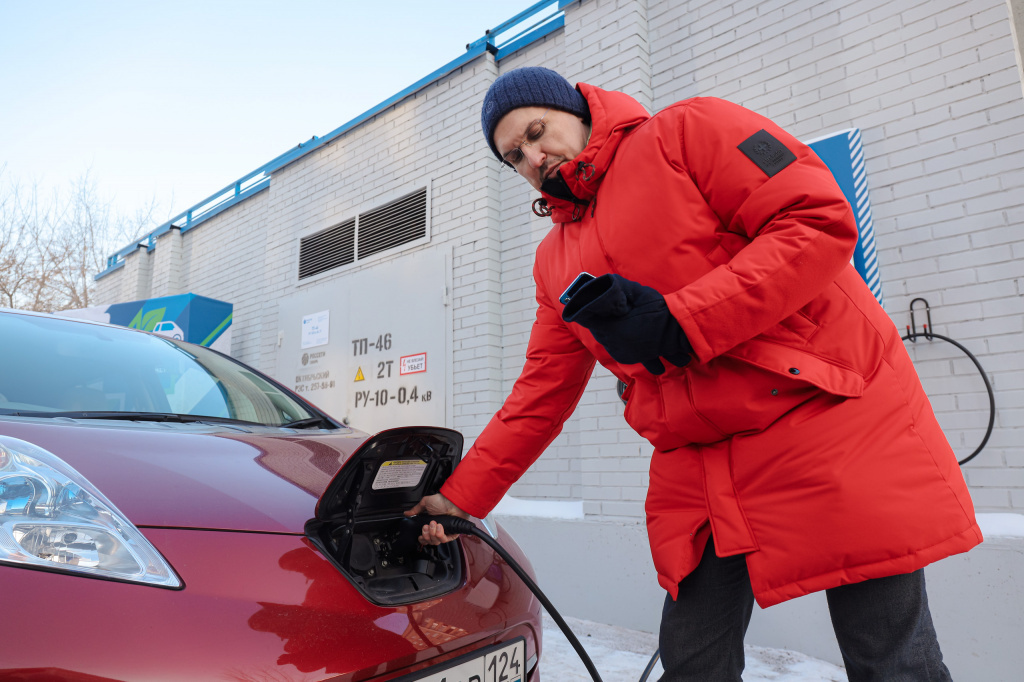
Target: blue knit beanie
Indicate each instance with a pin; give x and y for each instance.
(530, 86)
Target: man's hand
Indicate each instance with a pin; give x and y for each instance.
(631, 321)
(436, 505)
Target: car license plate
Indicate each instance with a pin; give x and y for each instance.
(505, 662)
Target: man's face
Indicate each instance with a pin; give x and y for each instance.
(565, 136)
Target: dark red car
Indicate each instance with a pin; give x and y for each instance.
(168, 513)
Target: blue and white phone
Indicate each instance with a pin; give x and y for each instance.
(573, 288)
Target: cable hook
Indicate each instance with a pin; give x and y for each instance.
(912, 327)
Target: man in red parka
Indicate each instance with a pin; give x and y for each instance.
(795, 450)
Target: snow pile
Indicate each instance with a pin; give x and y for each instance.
(621, 655)
(545, 509)
(1001, 525)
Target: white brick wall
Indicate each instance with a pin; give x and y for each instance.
(108, 289)
(217, 259)
(933, 86)
(132, 281)
(166, 278)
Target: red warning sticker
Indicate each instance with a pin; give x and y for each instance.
(412, 364)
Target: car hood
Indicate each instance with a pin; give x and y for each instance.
(206, 476)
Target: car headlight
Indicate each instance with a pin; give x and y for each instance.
(52, 518)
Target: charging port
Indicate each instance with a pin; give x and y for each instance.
(359, 525)
(386, 563)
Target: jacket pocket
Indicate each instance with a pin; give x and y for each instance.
(797, 327)
(743, 391)
(756, 383)
(681, 415)
(641, 413)
(646, 413)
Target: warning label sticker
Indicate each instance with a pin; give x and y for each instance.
(399, 473)
(411, 364)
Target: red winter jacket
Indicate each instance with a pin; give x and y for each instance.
(799, 435)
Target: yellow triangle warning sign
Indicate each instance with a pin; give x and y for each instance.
(359, 375)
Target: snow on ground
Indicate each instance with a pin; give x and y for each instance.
(620, 655)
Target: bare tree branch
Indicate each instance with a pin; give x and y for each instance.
(51, 250)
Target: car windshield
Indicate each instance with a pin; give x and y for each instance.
(50, 366)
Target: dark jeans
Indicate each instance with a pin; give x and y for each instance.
(883, 626)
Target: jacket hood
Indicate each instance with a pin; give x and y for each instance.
(214, 477)
(613, 115)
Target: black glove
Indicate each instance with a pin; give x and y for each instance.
(631, 321)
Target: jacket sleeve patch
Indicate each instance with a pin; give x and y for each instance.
(766, 152)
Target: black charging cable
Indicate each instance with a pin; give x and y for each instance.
(453, 524)
(912, 336)
(650, 665)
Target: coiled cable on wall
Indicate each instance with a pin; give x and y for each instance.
(912, 335)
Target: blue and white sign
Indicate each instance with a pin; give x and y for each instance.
(843, 154)
(185, 317)
(316, 329)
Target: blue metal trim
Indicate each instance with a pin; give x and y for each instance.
(475, 50)
(226, 204)
(116, 261)
(109, 270)
(528, 12)
(531, 37)
(218, 202)
(199, 212)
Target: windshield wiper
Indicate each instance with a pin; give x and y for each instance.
(304, 423)
(307, 423)
(132, 416)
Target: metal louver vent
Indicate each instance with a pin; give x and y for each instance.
(402, 221)
(328, 249)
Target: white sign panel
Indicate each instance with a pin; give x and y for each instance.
(316, 329)
(372, 371)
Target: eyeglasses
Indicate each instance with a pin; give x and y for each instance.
(534, 132)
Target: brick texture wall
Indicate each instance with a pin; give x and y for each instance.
(935, 90)
(933, 86)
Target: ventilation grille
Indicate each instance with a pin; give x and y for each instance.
(399, 222)
(380, 229)
(331, 248)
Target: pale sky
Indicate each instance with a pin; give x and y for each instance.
(176, 100)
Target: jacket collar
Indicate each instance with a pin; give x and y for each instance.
(613, 115)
